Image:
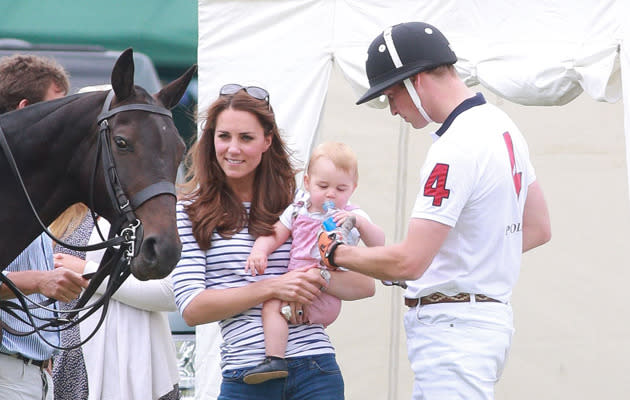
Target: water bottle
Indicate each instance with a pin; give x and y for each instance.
(329, 223)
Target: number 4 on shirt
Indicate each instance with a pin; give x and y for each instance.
(436, 184)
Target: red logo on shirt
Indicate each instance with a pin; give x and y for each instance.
(516, 176)
(436, 184)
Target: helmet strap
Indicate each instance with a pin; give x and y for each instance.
(389, 41)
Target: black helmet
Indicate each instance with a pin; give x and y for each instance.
(418, 45)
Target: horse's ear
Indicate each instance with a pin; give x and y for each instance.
(122, 75)
(173, 92)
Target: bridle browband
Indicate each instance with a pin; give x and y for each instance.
(126, 230)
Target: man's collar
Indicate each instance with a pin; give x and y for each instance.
(469, 103)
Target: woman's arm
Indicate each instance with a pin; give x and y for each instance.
(153, 295)
(217, 304)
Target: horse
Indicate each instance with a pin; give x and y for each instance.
(56, 146)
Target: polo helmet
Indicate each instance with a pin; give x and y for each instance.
(401, 51)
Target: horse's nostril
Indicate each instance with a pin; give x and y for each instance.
(149, 250)
(158, 257)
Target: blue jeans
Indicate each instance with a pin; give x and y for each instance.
(310, 378)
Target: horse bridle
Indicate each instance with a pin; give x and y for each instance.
(129, 238)
(120, 201)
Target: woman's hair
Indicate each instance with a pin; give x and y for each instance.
(341, 156)
(69, 220)
(214, 206)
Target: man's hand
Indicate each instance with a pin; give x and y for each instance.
(327, 243)
(61, 284)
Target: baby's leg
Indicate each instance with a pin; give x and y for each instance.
(275, 327)
(276, 332)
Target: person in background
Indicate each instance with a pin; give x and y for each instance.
(240, 180)
(132, 355)
(74, 226)
(25, 360)
(479, 208)
(332, 176)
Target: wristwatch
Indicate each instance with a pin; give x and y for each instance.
(325, 274)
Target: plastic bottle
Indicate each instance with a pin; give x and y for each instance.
(329, 223)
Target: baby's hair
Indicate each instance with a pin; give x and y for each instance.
(340, 154)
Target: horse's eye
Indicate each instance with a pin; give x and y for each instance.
(121, 142)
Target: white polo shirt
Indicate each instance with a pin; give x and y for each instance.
(475, 180)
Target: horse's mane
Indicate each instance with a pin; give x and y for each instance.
(35, 112)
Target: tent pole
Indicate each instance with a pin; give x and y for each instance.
(399, 225)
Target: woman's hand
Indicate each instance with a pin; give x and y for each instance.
(297, 313)
(297, 308)
(299, 286)
(70, 262)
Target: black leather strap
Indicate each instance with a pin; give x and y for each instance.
(151, 191)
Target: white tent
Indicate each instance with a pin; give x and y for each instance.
(532, 53)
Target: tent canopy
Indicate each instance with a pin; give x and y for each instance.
(164, 30)
(544, 53)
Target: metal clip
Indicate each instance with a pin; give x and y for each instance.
(129, 234)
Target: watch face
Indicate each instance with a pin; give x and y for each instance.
(325, 274)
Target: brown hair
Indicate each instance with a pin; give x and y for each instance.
(341, 156)
(28, 77)
(214, 205)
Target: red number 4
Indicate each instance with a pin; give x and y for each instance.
(436, 184)
(516, 176)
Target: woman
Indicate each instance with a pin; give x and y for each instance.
(240, 180)
(132, 355)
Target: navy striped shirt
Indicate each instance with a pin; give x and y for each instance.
(37, 256)
(223, 267)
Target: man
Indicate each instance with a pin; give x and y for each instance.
(24, 360)
(478, 209)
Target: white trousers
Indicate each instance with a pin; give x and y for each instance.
(458, 350)
(23, 381)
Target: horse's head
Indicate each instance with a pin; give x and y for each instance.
(147, 149)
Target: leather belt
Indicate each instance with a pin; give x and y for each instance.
(40, 364)
(438, 297)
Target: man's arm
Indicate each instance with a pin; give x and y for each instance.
(536, 222)
(407, 260)
(59, 284)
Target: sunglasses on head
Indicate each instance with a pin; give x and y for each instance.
(254, 91)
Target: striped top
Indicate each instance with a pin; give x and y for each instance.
(223, 267)
(37, 256)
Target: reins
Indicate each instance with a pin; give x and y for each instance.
(126, 232)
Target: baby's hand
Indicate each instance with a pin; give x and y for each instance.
(340, 217)
(256, 263)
